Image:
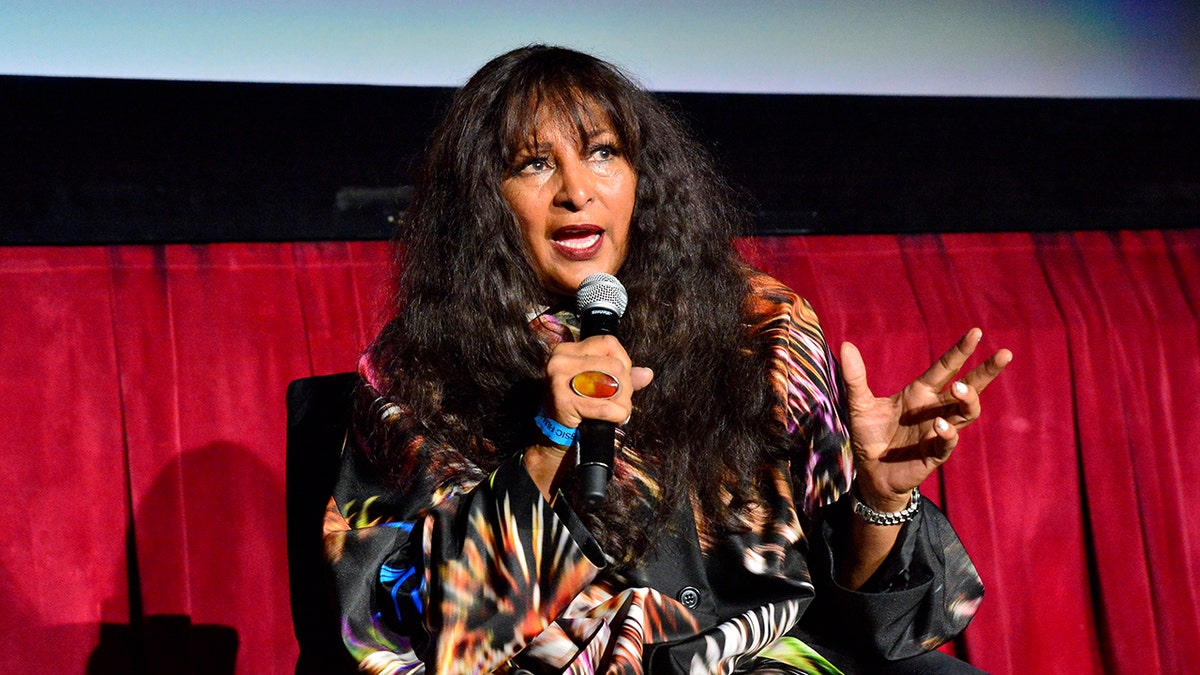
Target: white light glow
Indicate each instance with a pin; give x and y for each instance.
(938, 47)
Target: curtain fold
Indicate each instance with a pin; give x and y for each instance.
(65, 508)
(141, 407)
(1134, 360)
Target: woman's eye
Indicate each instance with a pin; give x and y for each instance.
(534, 165)
(604, 153)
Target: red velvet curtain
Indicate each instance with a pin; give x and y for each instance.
(141, 407)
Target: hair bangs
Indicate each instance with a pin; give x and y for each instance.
(591, 97)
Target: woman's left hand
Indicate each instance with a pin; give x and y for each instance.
(899, 440)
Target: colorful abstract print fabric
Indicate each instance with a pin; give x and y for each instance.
(482, 574)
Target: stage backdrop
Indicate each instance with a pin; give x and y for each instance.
(142, 418)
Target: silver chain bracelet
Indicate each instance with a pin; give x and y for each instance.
(894, 518)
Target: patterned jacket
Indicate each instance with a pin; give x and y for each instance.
(482, 574)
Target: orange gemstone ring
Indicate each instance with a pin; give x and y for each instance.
(595, 384)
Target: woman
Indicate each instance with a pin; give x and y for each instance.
(455, 532)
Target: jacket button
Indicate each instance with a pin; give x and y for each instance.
(689, 597)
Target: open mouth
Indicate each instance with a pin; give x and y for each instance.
(578, 242)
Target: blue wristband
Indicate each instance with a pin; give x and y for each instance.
(555, 432)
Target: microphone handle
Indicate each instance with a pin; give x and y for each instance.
(597, 438)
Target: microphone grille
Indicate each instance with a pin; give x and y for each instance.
(601, 289)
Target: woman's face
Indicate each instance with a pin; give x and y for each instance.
(574, 200)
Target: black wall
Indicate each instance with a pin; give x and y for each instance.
(135, 161)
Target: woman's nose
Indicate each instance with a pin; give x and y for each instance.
(577, 185)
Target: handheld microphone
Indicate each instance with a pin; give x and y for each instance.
(600, 302)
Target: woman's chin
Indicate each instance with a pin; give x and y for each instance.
(566, 283)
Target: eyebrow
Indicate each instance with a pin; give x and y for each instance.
(588, 134)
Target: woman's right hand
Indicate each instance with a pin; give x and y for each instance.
(602, 353)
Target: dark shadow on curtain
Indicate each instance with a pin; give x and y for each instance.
(164, 643)
(172, 643)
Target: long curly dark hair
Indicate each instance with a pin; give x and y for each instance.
(458, 352)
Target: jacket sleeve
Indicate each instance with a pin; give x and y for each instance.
(923, 595)
(449, 574)
(927, 591)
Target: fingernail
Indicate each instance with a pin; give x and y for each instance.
(960, 388)
(942, 424)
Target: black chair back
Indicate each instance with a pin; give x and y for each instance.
(318, 418)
